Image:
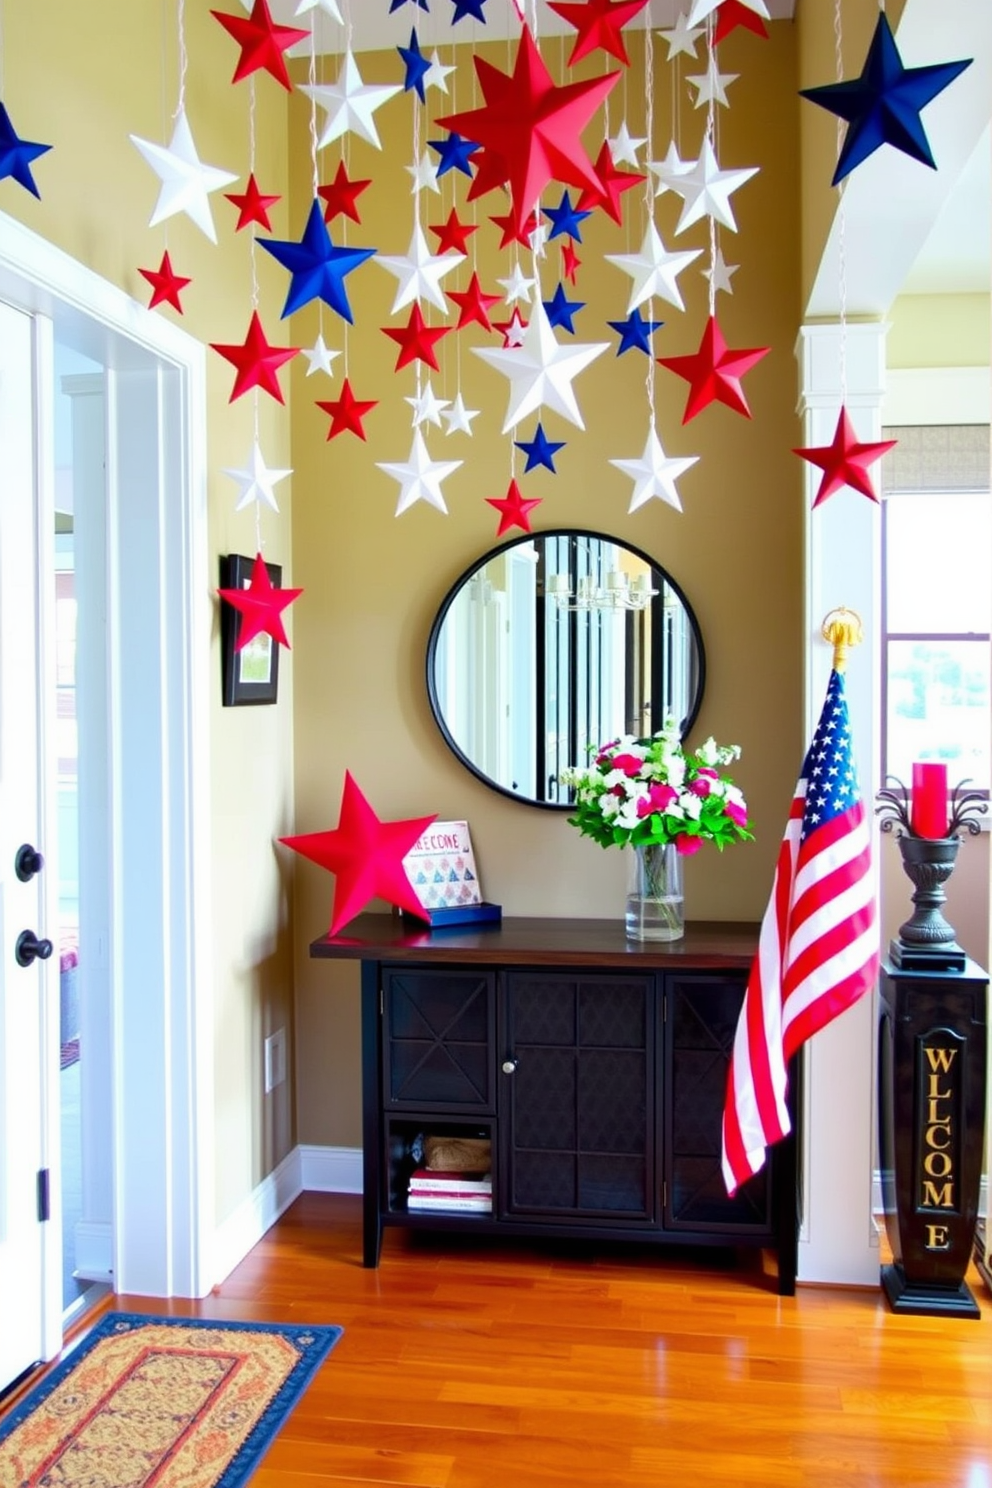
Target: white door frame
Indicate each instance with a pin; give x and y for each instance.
(159, 624)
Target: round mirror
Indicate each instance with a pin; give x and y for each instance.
(554, 642)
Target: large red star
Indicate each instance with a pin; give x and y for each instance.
(514, 509)
(598, 23)
(473, 304)
(416, 340)
(529, 130)
(257, 362)
(340, 196)
(365, 855)
(252, 204)
(731, 13)
(260, 606)
(714, 372)
(512, 232)
(347, 412)
(612, 183)
(845, 461)
(262, 42)
(453, 234)
(165, 283)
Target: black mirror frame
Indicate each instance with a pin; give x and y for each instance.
(487, 557)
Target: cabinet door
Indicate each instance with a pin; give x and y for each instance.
(701, 1014)
(438, 1038)
(577, 1111)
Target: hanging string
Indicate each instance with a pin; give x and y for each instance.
(254, 264)
(841, 215)
(711, 64)
(649, 193)
(418, 365)
(312, 80)
(183, 59)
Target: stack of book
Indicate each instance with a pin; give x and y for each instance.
(466, 1193)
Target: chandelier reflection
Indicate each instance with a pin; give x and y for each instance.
(620, 592)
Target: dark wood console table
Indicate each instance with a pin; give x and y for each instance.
(596, 1066)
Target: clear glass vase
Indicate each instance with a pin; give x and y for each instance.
(655, 904)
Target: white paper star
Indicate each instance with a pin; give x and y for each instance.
(518, 286)
(702, 8)
(705, 189)
(682, 38)
(538, 238)
(667, 170)
(654, 270)
(624, 147)
(459, 418)
(721, 274)
(320, 357)
(329, 7)
(256, 481)
(437, 74)
(419, 272)
(419, 476)
(540, 371)
(654, 474)
(186, 181)
(516, 330)
(350, 104)
(712, 85)
(427, 407)
(424, 175)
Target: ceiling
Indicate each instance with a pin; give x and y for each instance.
(957, 255)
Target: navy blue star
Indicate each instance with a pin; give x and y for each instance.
(16, 155)
(471, 8)
(565, 218)
(540, 450)
(882, 106)
(316, 266)
(397, 3)
(561, 310)
(635, 331)
(416, 64)
(455, 152)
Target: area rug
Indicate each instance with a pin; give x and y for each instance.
(152, 1402)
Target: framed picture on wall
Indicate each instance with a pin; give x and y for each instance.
(250, 675)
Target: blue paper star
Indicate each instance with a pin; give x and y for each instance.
(882, 106)
(397, 3)
(16, 155)
(561, 310)
(565, 218)
(471, 8)
(540, 450)
(635, 331)
(416, 64)
(317, 267)
(455, 153)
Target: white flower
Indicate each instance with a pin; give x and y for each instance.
(609, 806)
(709, 751)
(690, 806)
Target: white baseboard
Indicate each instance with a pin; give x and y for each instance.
(331, 1169)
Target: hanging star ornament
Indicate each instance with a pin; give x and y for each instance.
(541, 371)
(611, 185)
(262, 42)
(883, 105)
(350, 104)
(252, 205)
(540, 450)
(16, 155)
(667, 171)
(635, 332)
(459, 418)
(514, 509)
(427, 407)
(416, 67)
(454, 153)
(366, 857)
(734, 13)
(565, 218)
(419, 272)
(347, 413)
(319, 357)
(570, 262)
(705, 189)
(720, 273)
(166, 284)
(256, 361)
(473, 8)
(624, 146)
(256, 482)
(452, 233)
(518, 286)
(423, 174)
(317, 268)
(654, 271)
(329, 7)
(260, 606)
(438, 73)
(186, 181)
(714, 372)
(655, 474)
(416, 340)
(598, 23)
(473, 304)
(562, 311)
(703, 8)
(711, 86)
(419, 476)
(681, 38)
(845, 461)
(340, 196)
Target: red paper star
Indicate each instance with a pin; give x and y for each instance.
(365, 855)
(347, 412)
(598, 23)
(733, 13)
(165, 284)
(260, 606)
(257, 362)
(453, 234)
(714, 373)
(262, 42)
(570, 262)
(511, 233)
(512, 330)
(529, 131)
(612, 183)
(845, 462)
(341, 195)
(252, 205)
(416, 340)
(473, 304)
(514, 509)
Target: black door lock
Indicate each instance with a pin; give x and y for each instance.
(28, 946)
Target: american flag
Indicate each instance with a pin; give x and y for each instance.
(818, 949)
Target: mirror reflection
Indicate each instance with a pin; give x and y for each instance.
(554, 642)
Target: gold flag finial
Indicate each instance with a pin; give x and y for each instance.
(843, 629)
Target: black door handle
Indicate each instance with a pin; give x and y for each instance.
(28, 946)
(27, 862)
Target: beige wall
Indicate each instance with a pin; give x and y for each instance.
(374, 581)
(83, 81)
(949, 330)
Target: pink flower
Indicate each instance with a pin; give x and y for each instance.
(662, 796)
(603, 757)
(703, 783)
(628, 763)
(687, 845)
(736, 813)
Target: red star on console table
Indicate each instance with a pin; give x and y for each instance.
(845, 461)
(260, 606)
(714, 372)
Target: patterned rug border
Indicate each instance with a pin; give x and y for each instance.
(313, 1343)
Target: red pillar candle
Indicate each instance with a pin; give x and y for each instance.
(929, 810)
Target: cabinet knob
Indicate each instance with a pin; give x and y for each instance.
(509, 1065)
